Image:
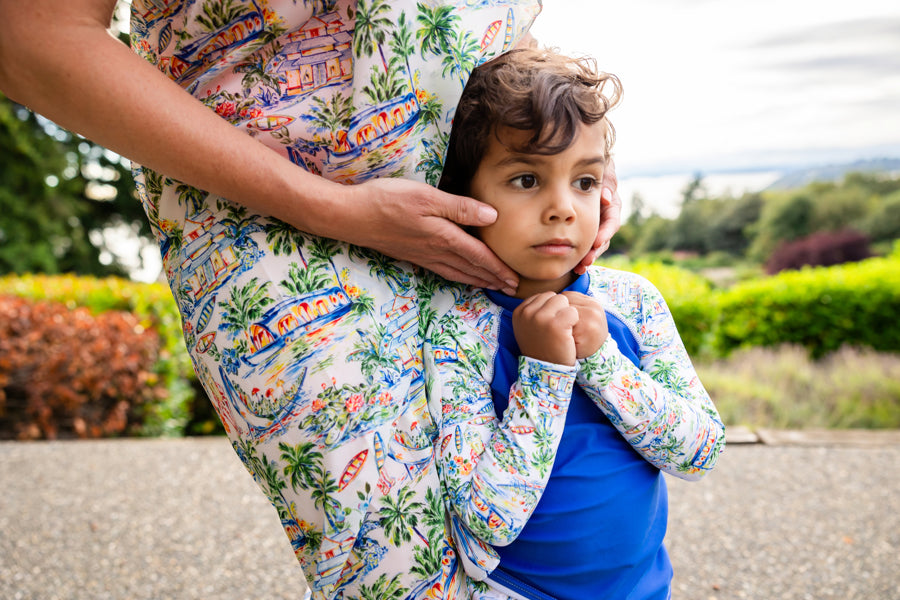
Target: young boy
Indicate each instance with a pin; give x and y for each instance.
(577, 392)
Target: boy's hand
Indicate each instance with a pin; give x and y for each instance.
(591, 329)
(543, 325)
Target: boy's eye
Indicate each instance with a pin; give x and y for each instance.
(525, 181)
(585, 184)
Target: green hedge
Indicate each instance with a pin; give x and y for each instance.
(153, 305)
(689, 297)
(822, 309)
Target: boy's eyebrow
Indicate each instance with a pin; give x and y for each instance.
(526, 158)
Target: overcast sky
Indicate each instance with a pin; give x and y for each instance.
(738, 83)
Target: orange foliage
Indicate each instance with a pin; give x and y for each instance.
(69, 373)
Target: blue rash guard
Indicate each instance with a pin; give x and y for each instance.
(598, 529)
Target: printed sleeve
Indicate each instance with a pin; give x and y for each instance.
(661, 408)
(494, 471)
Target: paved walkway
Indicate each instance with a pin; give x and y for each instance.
(798, 517)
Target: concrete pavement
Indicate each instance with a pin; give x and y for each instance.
(814, 516)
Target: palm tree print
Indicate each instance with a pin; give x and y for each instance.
(257, 72)
(302, 280)
(332, 115)
(190, 197)
(461, 57)
(433, 516)
(320, 6)
(245, 305)
(427, 560)
(431, 112)
(323, 251)
(217, 14)
(403, 46)
(399, 517)
(384, 86)
(274, 485)
(301, 463)
(435, 28)
(284, 239)
(372, 354)
(432, 163)
(383, 589)
(372, 21)
(387, 270)
(323, 490)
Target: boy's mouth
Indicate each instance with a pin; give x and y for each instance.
(554, 247)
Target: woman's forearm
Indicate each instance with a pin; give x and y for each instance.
(58, 59)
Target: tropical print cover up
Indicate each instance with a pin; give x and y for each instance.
(311, 350)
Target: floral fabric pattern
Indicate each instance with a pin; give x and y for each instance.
(310, 349)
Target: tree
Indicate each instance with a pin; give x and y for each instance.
(782, 219)
(60, 193)
(728, 231)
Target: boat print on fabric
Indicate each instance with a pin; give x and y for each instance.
(209, 257)
(196, 57)
(306, 319)
(384, 127)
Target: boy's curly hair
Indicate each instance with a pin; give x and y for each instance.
(529, 89)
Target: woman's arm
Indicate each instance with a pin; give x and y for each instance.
(58, 59)
(661, 408)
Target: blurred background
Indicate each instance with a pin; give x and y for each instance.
(758, 155)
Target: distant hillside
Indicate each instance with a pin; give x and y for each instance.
(834, 172)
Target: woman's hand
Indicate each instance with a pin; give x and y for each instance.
(610, 216)
(544, 328)
(415, 222)
(591, 330)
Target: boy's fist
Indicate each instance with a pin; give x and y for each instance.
(591, 330)
(543, 325)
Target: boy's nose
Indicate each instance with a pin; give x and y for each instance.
(560, 206)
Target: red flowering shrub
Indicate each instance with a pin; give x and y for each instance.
(69, 373)
(822, 249)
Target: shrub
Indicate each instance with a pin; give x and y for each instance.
(821, 249)
(66, 372)
(153, 306)
(818, 308)
(782, 387)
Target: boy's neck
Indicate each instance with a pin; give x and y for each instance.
(530, 287)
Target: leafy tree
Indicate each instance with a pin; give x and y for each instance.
(729, 229)
(60, 193)
(654, 235)
(782, 218)
(883, 222)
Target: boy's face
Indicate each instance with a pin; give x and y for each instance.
(548, 206)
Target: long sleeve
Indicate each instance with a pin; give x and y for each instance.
(661, 408)
(494, 471)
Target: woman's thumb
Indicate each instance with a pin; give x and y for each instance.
(468, 211)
